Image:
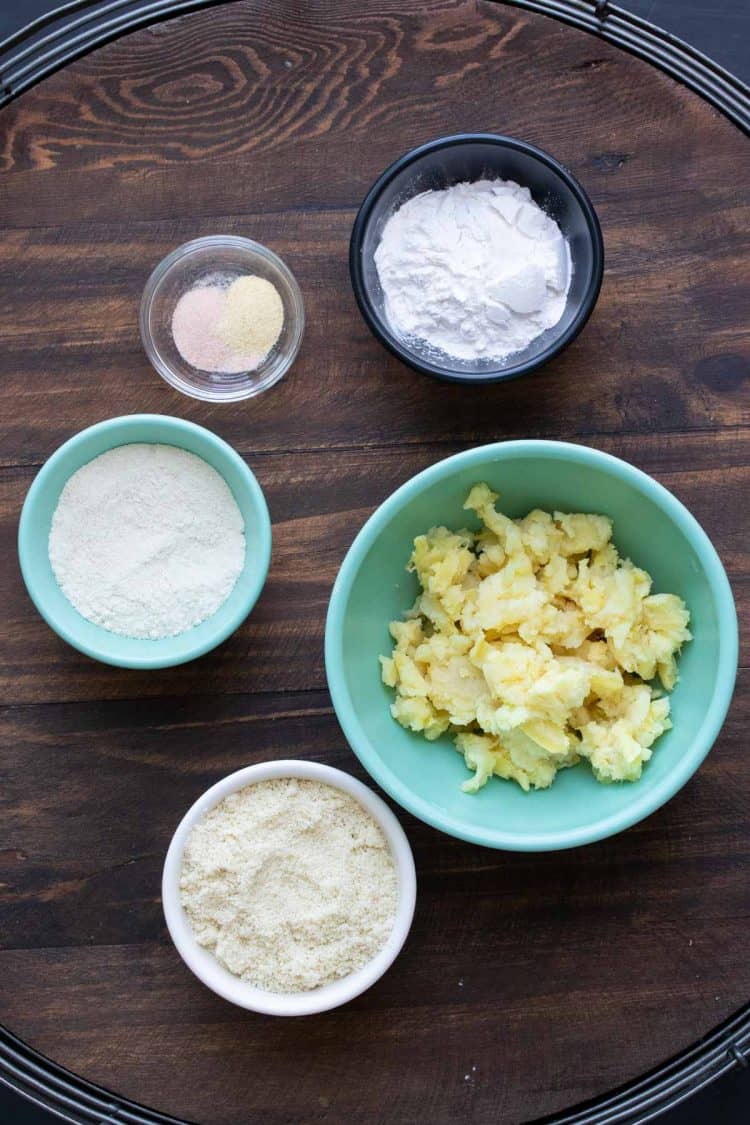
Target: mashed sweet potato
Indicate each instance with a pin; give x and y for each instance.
(536, 645)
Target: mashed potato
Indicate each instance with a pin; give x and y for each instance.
(533, 642)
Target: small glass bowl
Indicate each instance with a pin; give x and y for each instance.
(228, 256)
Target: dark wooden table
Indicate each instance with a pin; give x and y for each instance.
(555, 976)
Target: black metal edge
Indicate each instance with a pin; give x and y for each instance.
(29, 59)
(96, 30)
(60, 1092)
(667, 52)
(64, 1094)
(670, 1083)
(46, 1083)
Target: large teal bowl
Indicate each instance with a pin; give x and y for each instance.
(36, 518)
(373, 587)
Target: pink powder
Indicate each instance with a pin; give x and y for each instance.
(194, 321)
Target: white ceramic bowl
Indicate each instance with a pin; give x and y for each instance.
(226, 984)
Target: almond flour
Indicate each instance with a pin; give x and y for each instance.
(290, 884)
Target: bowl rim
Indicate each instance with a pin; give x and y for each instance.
(381, 331)
(162, 269)
(219, 979)
(121, 425)
(651, 799)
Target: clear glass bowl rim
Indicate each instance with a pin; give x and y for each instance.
(161, 271)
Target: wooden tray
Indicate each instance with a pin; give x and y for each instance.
(529, 982)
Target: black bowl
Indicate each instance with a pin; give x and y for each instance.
(467, 157)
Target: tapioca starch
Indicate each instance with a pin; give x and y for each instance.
(476, 271)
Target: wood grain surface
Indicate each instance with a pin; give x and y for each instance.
(528, 982)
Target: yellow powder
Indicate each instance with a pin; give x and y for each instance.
(253, 316)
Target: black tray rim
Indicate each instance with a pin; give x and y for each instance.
(32, 54)
(79, 26)
(66, 1095)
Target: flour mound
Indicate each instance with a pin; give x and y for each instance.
(290, 884)
(147, 541)
(476, 271)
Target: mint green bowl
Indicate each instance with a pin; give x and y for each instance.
(36, 518)
(373, 587)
